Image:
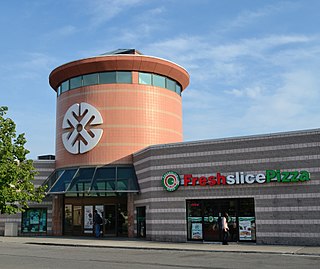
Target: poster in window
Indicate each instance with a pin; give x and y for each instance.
(246, 228)
(34, 216)
(34, 220)
(99, 208)
(196, 231)
(88, 217)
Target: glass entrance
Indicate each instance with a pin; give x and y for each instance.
(109, 228)
(141, 221)
(73, 220)
(204, 219)
(78, 219)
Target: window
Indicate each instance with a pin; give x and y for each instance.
(178, 89)
(145, 78)
(75, 82)
(64, 181)
(171, 84)
(34, 220)
(82, 180)
(59, 90)
(126, 179)
(107, 77)
(124, 77)
(119, 77)
(90, 79)
(104, 180)
(65, 86)
(159, 81)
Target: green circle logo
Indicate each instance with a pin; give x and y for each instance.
(171, 181)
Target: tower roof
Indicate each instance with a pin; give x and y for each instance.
(123, 51)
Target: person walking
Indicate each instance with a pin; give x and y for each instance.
(225, 229)
(97, 221)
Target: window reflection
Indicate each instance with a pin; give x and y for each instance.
(119, 77)
(93, 181)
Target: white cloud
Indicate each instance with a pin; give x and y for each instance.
(101, 11)
(253, 92)
(249, 16)
(62, 32)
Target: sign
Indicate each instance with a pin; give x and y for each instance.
(171, 180)
(196, 231)
(79, 124)
(88, 217)
(246, 228)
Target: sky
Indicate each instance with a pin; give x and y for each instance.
(253, 65)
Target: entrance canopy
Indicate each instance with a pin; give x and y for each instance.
(92, 180)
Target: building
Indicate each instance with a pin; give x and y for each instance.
(119, 150)
(269, 185)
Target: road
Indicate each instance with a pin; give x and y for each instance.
(17, 255)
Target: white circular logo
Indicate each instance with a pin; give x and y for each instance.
(79, 124)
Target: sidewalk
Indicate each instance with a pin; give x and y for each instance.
(127, 243)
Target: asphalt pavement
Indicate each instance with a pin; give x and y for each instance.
(127, 243)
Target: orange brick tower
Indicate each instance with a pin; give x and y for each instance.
(113, 105)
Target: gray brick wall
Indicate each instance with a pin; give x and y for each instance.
(44, 169)
(285, 213)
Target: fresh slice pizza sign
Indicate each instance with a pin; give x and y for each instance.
(171, 180)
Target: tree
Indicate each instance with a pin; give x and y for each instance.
(16, 172)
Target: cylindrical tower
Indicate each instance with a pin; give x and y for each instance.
(113, 105)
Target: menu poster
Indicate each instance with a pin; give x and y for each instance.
(88, 217)
(196, 231)
(246, 228)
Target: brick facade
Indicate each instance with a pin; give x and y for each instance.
(286, 213)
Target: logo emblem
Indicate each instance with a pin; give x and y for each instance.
(79, 124)
(171, 181)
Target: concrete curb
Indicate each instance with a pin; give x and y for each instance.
(176, 249)
(165, 246)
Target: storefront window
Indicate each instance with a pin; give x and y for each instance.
(204, 219)
(247, 221)
(34, 220)
(194, 211)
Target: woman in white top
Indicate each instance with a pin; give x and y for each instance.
(225, 229)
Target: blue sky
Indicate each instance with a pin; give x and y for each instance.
(254, 65)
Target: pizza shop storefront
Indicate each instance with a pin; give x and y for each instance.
(208, 197)
(204, 219)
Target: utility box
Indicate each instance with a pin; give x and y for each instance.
(11, 229)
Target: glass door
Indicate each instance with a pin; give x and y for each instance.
(211, 221)
(194, 217)
(141, 221)
(122, 220)
(68, 220)
(77, 220)
(73, 220)
(110, 220)
(247, 220)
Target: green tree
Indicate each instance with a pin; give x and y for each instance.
(16, 172)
